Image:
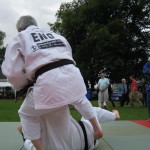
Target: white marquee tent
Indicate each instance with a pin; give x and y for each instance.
(6, 90)
(5, 84)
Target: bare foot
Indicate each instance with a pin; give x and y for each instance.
(19, 128)
(116, 113)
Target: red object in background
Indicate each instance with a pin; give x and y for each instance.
(145, 123)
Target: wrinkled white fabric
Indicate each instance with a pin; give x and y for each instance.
(29, 50)
(62, 86)
(55, 127)
(73, 139)
(33, 48)
(28, 145)
(53, 90)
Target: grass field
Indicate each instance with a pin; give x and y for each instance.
(9, 111)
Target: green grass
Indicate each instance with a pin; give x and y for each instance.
(135, 113)
(9, 111)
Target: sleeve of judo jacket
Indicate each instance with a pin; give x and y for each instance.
(13, 66)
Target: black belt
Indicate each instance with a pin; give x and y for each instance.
(85, 134)
(42, 70)
(51, 66)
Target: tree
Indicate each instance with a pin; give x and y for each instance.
(2, 36)
(106, 33)
(136, 19)
(2, 49)
(2, 53)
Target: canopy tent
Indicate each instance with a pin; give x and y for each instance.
(6, 90)
(5, 84)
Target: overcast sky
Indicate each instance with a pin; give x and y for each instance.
(42, 10)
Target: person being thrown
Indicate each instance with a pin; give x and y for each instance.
(44, 58)
(102, 115)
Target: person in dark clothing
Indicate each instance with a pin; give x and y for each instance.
(143, 90)
(146, 71)
(110, 91)
(125, 94)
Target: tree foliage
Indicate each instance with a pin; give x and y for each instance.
(2, 49)
(2, 36)
(106, 33)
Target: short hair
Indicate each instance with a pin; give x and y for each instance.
(102, 74)
(123, 80)
(24, 22)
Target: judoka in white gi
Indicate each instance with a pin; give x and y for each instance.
(31, 49)
(74, 132)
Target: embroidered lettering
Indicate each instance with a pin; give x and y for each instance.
(41, 36)
(35, 37)
(50, 44)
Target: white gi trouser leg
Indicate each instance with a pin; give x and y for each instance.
(102, 115)
(30, 118)
(85, 108)
(28, 145)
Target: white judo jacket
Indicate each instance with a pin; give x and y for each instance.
(34, 47)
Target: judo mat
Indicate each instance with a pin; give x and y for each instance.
(118, 135)
(125, 135)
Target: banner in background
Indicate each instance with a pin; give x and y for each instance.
(117, 91)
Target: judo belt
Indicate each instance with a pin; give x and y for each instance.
(42, 70)
(85, 135)
(51, 66)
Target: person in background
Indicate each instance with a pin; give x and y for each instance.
(102, 87)
(125, 93)
(143, 90)
(146, 71)
(133, 95)
(110, 91)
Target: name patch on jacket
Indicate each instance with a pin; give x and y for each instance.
(49, 44)
(44, 41)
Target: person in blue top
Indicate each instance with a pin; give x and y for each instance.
(146, 71)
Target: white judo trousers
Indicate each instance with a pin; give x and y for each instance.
(57, 129)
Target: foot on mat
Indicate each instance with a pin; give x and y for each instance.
(19, 128)
(116, 113)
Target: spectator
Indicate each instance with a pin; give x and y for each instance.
(102, 87)
(146, 71)
(143, 90)
(133, 95)
(110, 91)
(125, 93)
